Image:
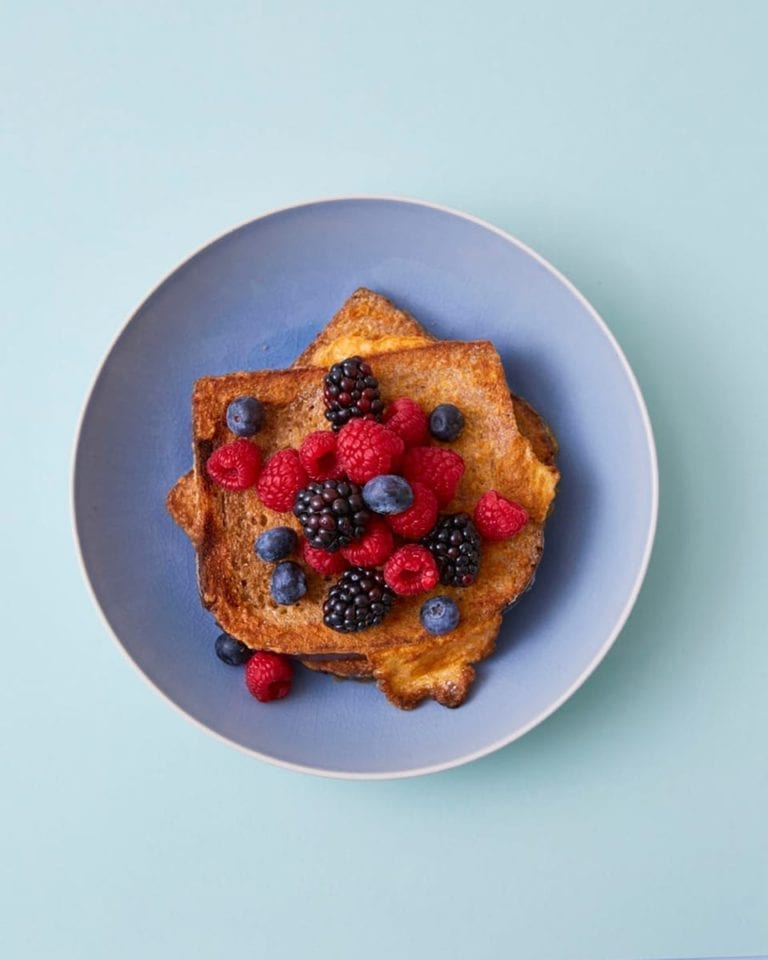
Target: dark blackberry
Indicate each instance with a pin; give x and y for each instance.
(455, 544)
(358, 600)
(350, 390)
(332, 513)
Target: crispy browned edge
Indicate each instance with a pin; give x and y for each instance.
(533, 426)
(361, 310)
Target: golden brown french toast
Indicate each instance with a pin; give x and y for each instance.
(235, 585)
(407, 662)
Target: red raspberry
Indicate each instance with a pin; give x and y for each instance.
(235, 465)
(321, 560)
(416, 522)
(497, 518)
(373, 548)
(268, 676)
(438, 468)
(406, 418)
(281, 479)
(366, 448)
(411, 570)
(318, 456)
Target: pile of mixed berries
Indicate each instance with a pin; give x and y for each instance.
(367, 494)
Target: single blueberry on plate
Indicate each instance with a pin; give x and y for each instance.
(275, 544)
(388, 494)
(439, 615)
(231, 651)
(288, 583)
(446, 422)
(245, 416)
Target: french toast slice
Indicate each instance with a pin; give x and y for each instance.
(235, 586)
(409, 668)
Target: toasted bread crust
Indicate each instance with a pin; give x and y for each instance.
(367, 324)
(181, 503)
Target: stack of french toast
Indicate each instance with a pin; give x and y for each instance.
(506, 447)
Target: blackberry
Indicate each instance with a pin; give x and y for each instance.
(332, 513)
(358, 600)
(455, 544)
(350, 390)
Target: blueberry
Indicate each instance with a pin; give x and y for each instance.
(388, 494)
(245, 416)
(446, 422)
(231, 651)
(276, 544)
(288, 583)
(439, 615)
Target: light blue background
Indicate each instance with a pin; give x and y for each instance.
(628, 143)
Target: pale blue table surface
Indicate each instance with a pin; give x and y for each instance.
(628, 143)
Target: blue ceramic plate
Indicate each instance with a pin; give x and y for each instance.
(255, 298)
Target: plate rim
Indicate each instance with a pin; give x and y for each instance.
(623, 616)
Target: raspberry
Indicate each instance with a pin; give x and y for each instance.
(375, 546)
(322, 561)
(318, 456)
(406, 418)
(497, 518)
(235, 465)
(366, 448)
(411, 570)
(281, 479)
(268, 676)
(419, 518)
(438, 468)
